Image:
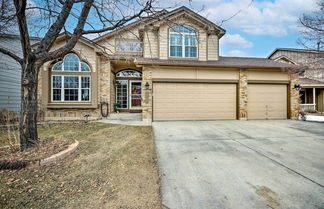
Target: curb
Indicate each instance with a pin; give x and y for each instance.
(60, 155)
(6, 165)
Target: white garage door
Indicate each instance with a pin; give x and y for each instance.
(267, 101)
(193, 101)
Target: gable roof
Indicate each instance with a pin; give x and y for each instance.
(166, 15)
(82, 39)
(294, 50)
(130, 25)
(182, 10)
(286, 58)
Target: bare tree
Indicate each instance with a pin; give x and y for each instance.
(54, 17)
(312, 26)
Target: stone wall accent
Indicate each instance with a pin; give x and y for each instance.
(105, 82)
(72, 114)
(294, 97)
(243, 95)
(147, 111)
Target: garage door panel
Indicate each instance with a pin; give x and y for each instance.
(194, 101)
(267, 101)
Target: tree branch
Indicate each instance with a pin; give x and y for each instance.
(123, 21)
(24, 36)
(53, 32)
(47, 56)
(12, 55)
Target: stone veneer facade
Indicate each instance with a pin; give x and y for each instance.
(243, 94)
(147, 103)
(294, 97)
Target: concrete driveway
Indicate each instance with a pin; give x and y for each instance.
(241, 164)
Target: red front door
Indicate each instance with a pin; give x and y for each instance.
(136, 92)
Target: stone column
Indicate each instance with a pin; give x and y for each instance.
(104, 81)
(243, 91)
(294, 97)
(147, 111)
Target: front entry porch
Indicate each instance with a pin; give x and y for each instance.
(126, 94)
(312, 99)
(126, 118)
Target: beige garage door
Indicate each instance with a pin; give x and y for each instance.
(267, 101)
(193, 101)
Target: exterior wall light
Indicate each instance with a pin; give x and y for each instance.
(147, 86)
(297, 87)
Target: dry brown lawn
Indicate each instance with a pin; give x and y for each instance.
(114, 167)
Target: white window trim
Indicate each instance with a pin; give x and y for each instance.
(62, 89)
(183, 43)
(63, 70)
(126, 93)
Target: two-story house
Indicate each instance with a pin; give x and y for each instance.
(168, 68)
(311, 77)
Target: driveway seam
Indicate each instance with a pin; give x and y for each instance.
(296, 172)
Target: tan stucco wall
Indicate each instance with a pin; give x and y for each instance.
(195, 73)
(261, 75)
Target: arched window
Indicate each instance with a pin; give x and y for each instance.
(67, 87)
(183, 42)
(129, 73)
(72, 63)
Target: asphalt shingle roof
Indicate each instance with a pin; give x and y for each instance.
(243, 62)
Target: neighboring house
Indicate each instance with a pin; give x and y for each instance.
(168, 68)
(10, 73)
(311, 78)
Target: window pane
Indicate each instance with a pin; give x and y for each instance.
(129, 46)
(71, 82)
(191, 52)
(57, 66)
(71, 63)
(71, 94)
(190, 40)
(56, 94)
(121, 95)
(175, 39)
(176, 51)
(85, 95)
(84, 67)
(85, 82)
(129, 73)
(57, 82)
(182, 29)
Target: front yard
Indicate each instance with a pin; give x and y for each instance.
(113, 167)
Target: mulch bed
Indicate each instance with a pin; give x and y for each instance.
(12, 158)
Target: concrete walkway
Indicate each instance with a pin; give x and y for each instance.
(241, 164)
(132, 119)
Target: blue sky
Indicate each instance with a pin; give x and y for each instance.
(258, 28)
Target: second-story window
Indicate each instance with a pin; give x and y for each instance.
(183, 42)
(128, 46)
